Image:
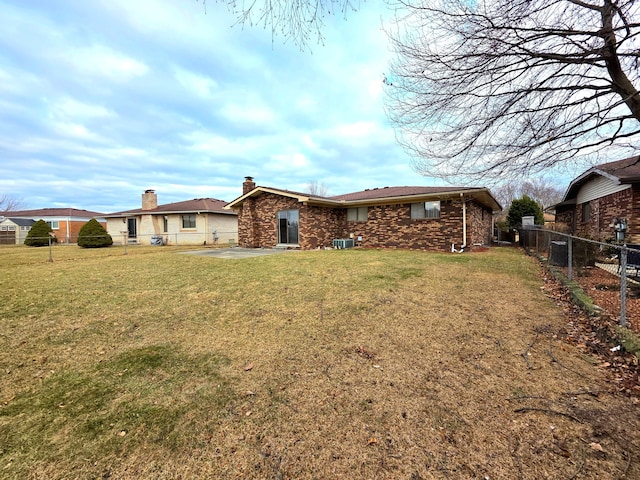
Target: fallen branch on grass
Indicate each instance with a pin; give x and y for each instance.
(525, 354)
(554, 359)
(546, 410)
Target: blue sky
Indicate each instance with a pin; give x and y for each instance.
(101, 100)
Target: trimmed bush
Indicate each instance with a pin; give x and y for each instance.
(523, 207)
(39, 235)
(93, 235)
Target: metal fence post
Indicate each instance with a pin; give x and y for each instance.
(623, 286)
(570, 259)
(50, 251)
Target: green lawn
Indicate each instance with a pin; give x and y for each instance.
(325, 364)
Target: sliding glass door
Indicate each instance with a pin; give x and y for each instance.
(288, 227)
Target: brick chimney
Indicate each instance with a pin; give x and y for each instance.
(248, 185)
(149, 200)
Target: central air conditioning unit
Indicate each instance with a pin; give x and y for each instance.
(343, 243)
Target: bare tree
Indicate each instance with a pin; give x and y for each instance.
(10, 204)
(317, 189)
(300, 21)
(490, 88)
(541, 190)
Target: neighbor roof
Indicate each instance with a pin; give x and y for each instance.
(201, 205)
(21, 222)
(377, 196)
(625, 171)
(52, 212)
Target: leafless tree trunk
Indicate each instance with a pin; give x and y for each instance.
(317, 189)
(508, 88)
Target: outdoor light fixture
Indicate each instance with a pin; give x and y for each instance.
(620, 226)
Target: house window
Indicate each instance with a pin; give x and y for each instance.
(12, 228)
(54, 224)
(3, 228)
(24, 229)
(586, 212)
(360, 214)
(425, 210)
(189, 221)
(165, 224)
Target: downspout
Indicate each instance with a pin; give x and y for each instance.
(464, 221)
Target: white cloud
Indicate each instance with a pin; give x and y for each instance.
(129, 94)
(200, 85)
(103, 62)
(70, 108)
(250, 110)
(74, 131)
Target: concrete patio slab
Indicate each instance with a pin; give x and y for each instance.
(236, 252)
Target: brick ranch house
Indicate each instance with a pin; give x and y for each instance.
(429, 218)
(65, 222)
(600, 198)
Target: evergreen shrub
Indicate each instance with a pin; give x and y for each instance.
(93, 235)
(39, 235)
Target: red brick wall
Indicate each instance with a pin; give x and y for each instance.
(388, 226)
(479, 221)
(74, 230)
(624, 204)
(565, 219)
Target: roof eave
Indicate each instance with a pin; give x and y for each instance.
(490, 201)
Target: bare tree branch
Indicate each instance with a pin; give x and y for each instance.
(317, 189)
(513, 87)
(10, 204)
(298, 21)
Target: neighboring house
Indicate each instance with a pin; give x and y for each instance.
(601, 198)
(13, 231)
(65, 222)
(430, 218)
(201, 221)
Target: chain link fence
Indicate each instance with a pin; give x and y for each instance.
(576, 255)
(124, 241)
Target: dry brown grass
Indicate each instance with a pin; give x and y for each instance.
(327, 364)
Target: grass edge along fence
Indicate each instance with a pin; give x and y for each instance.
(570, 251)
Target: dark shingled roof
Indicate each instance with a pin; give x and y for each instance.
(373, 196)
(22, 222)
(385, 192)
(626, 170)
(202, 205)
(52, 212)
